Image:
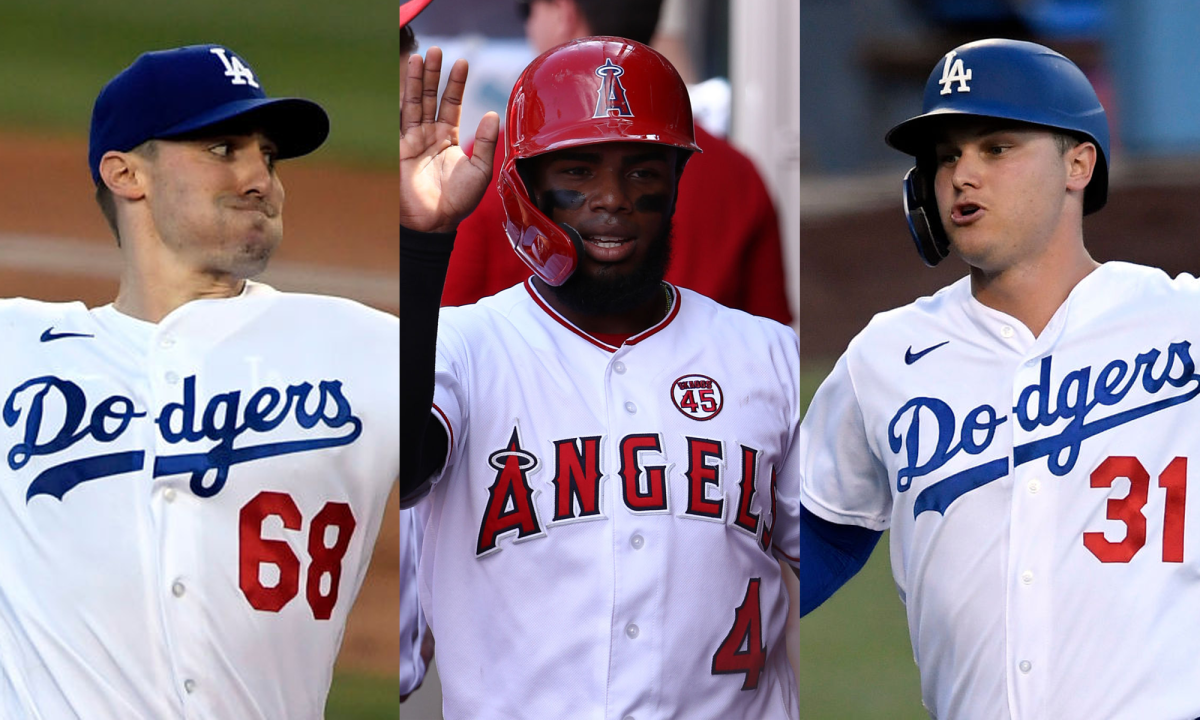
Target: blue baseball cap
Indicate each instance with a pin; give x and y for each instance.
(171, 93)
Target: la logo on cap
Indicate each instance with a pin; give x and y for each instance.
(235, 69)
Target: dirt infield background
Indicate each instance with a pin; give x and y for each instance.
(854, 264)
(340, 235)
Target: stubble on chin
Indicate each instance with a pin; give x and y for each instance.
(612, 293)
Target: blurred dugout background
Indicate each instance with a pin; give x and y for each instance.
(863, 65)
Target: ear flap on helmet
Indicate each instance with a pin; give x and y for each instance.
(549, 249)
(920, 209)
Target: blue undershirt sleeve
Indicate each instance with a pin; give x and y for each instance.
(830, 554)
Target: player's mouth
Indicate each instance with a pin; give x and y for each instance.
(966, 213)
(609, 248)
(251, 205)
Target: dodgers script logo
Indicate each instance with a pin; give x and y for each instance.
(226, 418)
(1169, 380)
(611, 95)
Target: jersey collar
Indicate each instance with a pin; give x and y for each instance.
(676, 301)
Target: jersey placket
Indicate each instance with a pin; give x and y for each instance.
(1029, 580)
(639, 546)
(177, 523)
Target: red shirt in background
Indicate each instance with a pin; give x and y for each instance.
(725, 245)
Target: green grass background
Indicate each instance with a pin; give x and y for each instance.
(55, 55)
(855, 658)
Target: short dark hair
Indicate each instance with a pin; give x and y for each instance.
(408, 41)
(632, 19)
(1066, 140)
(104, 196)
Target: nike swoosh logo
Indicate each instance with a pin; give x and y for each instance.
(51, 335)
(911, 357)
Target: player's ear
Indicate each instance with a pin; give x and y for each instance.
(124, 173)
(1081, 162)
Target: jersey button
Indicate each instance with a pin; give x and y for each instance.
(632, 631)
(1007, 331)
(619, 367)
(171, 377)
(637, 541)
(189, 686)
(1034, 487)
(630, 408)
(1025, 666)
(178, 589)
(1027, 577)
(169, 494)
(166, 342)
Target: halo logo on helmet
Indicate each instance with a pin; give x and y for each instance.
(1010, 80)
(575, 95)
(610, 97)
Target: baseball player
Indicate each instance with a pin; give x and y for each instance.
(193, 475)
(1024, 432)
(735, 258)
(610, 462)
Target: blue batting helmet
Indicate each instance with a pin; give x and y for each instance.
(1005, 79)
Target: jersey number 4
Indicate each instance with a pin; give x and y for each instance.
(256, 551)
(743, 651)
(1129, 509)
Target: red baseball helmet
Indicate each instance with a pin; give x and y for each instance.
(590, 90)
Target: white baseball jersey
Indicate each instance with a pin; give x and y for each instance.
(1043, 541)
(412, 619)
(187, 508)
(603, 539)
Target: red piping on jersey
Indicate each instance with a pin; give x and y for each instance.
(795, 560)
(600, 343)
(449, 428)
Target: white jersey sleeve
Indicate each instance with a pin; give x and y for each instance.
(844, 480)
(412, 619)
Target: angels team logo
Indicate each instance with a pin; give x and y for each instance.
(697, 396)
(611, 95)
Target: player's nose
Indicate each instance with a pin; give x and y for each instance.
(966, 170)
(610, 193)
(256, 169)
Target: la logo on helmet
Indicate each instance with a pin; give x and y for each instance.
(611, 95)
(235, 69)
(952, 72)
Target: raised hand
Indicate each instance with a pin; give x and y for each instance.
(439, 184)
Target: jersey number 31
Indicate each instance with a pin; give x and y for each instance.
(1129, 509)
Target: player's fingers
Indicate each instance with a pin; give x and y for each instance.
(410, 107)
(433, 74)
(486, 138)
(451, 110)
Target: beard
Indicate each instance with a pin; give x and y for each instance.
(613, 293)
